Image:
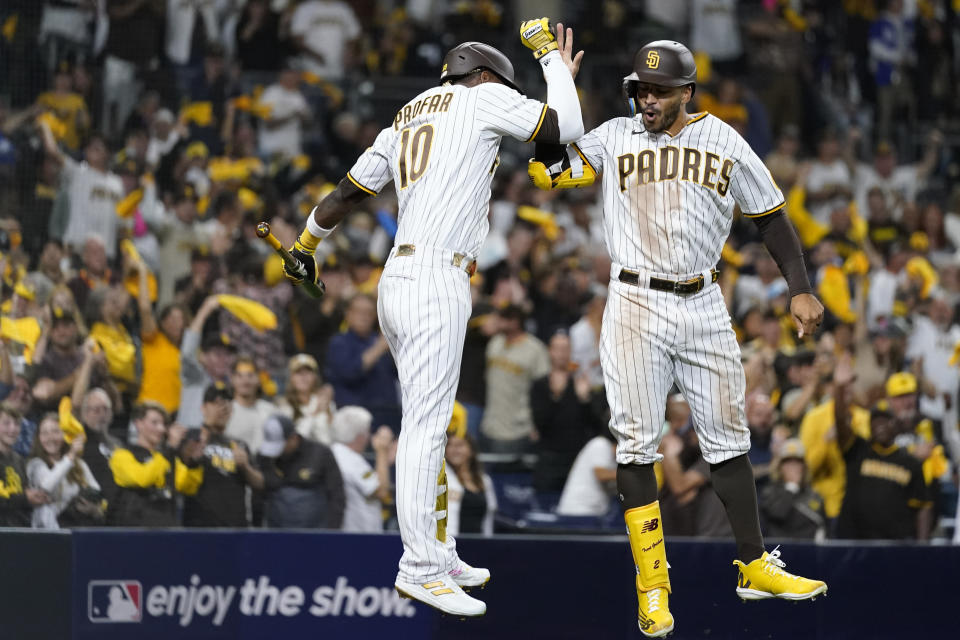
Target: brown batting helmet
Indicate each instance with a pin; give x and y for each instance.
(663, 62)
(468, 57)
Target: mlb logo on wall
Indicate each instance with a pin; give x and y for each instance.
(114, 601)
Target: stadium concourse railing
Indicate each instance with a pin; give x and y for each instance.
(109, 584)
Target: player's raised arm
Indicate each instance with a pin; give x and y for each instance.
(556, 165)
(502, 109)
(553, 51)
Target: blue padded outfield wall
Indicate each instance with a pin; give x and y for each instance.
(109, 584)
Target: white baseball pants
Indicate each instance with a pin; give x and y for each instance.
(424, 304)
(651, 339)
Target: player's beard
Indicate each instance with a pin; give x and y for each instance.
(668, 116)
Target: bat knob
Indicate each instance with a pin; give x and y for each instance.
(263, 230)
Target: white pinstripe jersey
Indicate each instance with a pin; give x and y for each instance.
(93, 205)
(668, 200)
(441, 153)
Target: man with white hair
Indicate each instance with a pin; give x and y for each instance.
(366, 487)
(96, 414)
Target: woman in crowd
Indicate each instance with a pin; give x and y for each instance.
(56, 468)
(308, 401)
(160, 340)
(471, 500)
(118, 346)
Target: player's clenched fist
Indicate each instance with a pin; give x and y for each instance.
(307, 270)
(807, 313)
(538, 35)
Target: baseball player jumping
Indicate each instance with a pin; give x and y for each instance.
(670, 183)
(441, 153)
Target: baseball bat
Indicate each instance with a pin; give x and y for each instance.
(314, 290)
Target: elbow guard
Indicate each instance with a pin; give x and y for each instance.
(571, 173)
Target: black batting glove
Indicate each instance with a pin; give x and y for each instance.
(307, 269)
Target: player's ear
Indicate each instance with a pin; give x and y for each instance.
(687, 94)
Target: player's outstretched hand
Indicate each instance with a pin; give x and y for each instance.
(807, 313)
(565, 43)
(307, 271)
(538, 35)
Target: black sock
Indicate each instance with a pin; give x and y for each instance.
(733, 481)
(636, 484)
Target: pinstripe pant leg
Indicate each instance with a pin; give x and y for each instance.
(710, 375)
(423, 313)
(637, 369)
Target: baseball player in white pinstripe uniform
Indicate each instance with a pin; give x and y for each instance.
(670, 183)
(441, 153)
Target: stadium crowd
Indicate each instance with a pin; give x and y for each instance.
(156, 369)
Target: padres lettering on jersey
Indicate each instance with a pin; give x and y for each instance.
(440, 151)
(669, 200)
(665, 164)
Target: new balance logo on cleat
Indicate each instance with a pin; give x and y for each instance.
(744, 583)
(650, 525)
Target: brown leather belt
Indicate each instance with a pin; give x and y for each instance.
(681, 288)
(459, 260)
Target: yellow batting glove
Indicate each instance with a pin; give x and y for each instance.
(306, 243)
(538, 35)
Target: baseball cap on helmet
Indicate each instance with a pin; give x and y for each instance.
(468, 57)
(663, 62)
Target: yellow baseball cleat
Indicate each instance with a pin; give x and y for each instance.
(765, 578)
(654, 615)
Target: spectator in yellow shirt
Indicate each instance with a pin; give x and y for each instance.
(823, 456)
(69, 107)
(160, 382)
(113, 338)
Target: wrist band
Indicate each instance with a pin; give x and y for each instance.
(315, 229)
(312, 235)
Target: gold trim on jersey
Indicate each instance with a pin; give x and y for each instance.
(583, 157)
(695, 118)
(360, 186)
(765, 213)
(543, 115)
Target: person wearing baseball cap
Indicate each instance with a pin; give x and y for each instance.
(214, 481)
(54, 375)
(887, 497)
(901, 391)
(204, 359)
(308, 400)
(789, 506)
(302, 480)
(917, 433)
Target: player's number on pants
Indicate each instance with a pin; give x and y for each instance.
(414, 153)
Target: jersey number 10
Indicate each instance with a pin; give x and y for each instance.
(414, 154)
